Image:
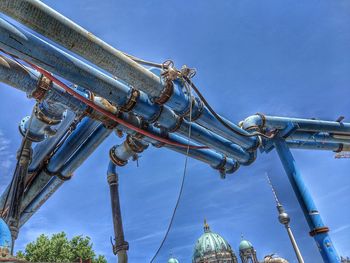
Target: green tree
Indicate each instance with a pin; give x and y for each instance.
(59, 249)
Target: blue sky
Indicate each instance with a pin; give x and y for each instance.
(286, 58)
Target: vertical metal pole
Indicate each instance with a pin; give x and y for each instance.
(284, 219)
(121, 246)
(317, 228)
(294, 244)
(24, 158)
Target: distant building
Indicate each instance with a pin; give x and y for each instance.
(213, 248)
(345, 260)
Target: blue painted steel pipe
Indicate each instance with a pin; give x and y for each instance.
(309, 125)
(179, 102)
(85, 150)
(42, 149)
(26, 80)
(318, 137)
(60, 29)
(72, 144)
(29, 47)
(317, 228)
(327, 146)
(216, 160)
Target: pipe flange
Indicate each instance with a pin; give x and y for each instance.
(122, 247)
(131, 102)
(42, 117)
(135, 145)
(234, 168)
(28, 134)
(221, 166)
(115, 159)
(252, 158)
(165, 94)
(319, 230)
(43, 85)
(263, 119)
(340, 148)
(57, 174)
(112, 179)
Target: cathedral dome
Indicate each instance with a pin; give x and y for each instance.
(211, 245)
(173, 260)
(245, 244)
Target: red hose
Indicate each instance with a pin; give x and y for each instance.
(110, 115)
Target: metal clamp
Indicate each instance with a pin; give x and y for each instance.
(44, 84)
(42, 117)
(319, 230)
(57, 174)
(115, 159)
(130, 104)
(340, 148)
(123, 247)
(135, 145)
(165, 94)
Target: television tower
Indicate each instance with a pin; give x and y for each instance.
(284, 219)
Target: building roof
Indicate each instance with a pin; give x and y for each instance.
(210, 242)
(245, 244)
(173, 260)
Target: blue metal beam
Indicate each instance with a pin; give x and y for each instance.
(317, 228)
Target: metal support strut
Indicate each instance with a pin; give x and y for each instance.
(17, 192)
(121, 246)
(317, 228)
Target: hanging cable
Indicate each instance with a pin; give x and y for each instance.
(199, 94)
(182, 182)
(212, 111)
(18, 160)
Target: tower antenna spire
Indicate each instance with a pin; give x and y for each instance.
(273, 190)
(284, 219)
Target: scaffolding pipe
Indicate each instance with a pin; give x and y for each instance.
(22, 79)
(71, 145)
(28, 47)
(53, 25)
(328, 146)
(321, 137)
(261, 121)
(121, 246)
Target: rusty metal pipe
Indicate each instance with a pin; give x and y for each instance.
(53, 25)
(121, 246)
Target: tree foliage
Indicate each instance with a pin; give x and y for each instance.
(59, 249)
